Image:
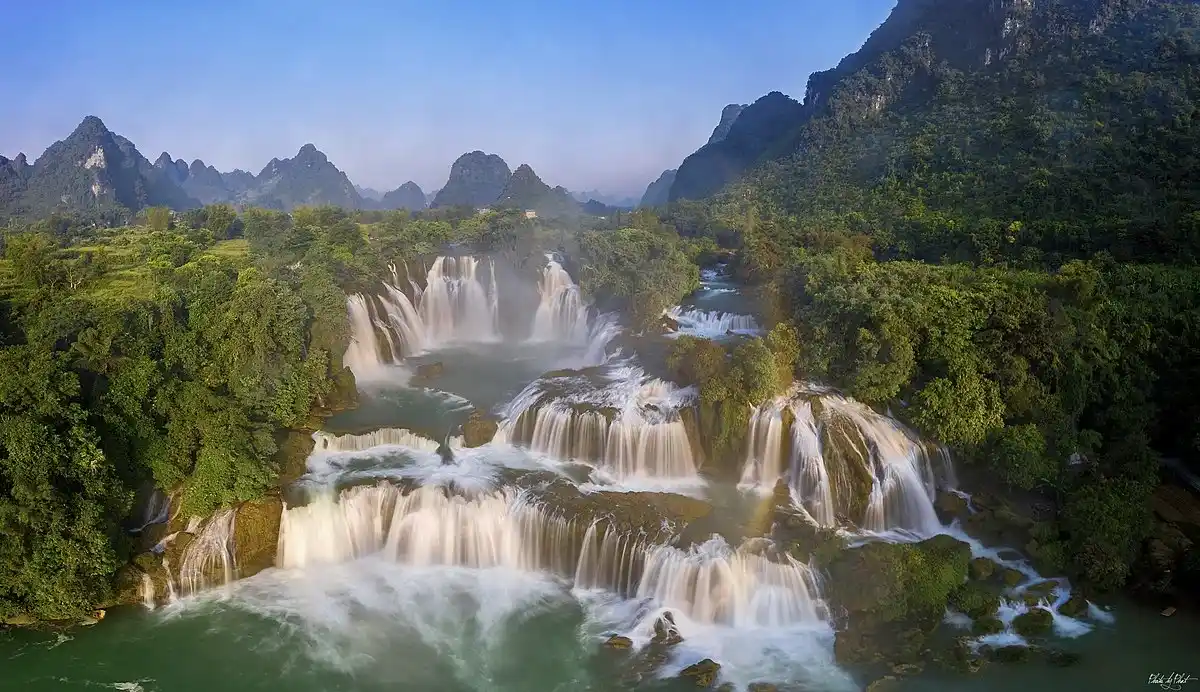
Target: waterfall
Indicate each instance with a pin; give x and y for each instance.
(455, 306)
(426, 527)
(387, 327)
(708, 324)
(561, 314)
(208, 560)
(623, 422)
(384, 437)
(842, 458)
(147, 589)
(712, 583)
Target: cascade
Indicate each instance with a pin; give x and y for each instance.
(362, 355)
(384, 437)
(208, 560)
(841, 458)
(713, 583)
(147, 590)
(620, 420)
(710, 583)
(561, 314)
(455, 306)
(709, 324)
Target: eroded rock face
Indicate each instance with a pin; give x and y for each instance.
(703, 674)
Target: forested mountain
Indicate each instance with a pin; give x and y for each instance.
(729, 114)
(658, 193)
(92, 170)
(476, 180)
(525, 190)
(986, 220)
(407, 196)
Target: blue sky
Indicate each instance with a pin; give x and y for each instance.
(591, 94)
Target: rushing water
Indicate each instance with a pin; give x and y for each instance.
(399, 571)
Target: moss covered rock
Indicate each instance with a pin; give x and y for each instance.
(479, 429)
(974, 599)
(617, 641)
(893, 595)
(343, 395)
(1035, 622)
(983, 568)
(1074, 607)
(256, 535)
(703, 674)
(1011, 577)
(292, 449)
(1007, 654)
(987, 624)
(430, 371)
(951, 506)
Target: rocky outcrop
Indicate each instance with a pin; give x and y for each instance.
(658, 193)
(729, 114)
(479, 429)
(408, 196)
(431, 371)
(476, 180)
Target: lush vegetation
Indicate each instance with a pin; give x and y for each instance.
(1009, 269)
(168, 353)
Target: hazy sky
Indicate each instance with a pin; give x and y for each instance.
(591, 94)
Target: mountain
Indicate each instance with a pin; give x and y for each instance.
(748, 139)
(605, 199)
(368, 193)
(525, 190)
(207, 184)
(237, 180)
(476, 180)
(658, 192)
(408, 196)
(964, 126)
(430, 196)
(729, 114)
(176, 171)
(309, 178)
(92, 169)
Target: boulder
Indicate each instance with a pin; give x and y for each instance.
(908, 668)
(762, 687)
(1074, 607)
(703, 674)
(1035, 622)
(1060, 658)
(1006, 654)
(983, 568)
(951, 506)
(974, 600)
(1011, 577)
(987, 624)
(666, 633)
(618, 642)
(430, 371)
(479, 429)
(127, 587)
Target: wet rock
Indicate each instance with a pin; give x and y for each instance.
(430, 371)
(19, 620)
(974, 599)
(1036, 622)
(618, 642)
(127, 587)
(292, 449)
(479, 430)
(152, 566)
(666, 633)
(1074, 607)
(1042, 588)
(762, 687)
(1007, 654)
(1060, 658)
(1011, 577)
(702, 674)
(951, 506)
(908, 668)
(884, 684)
(983, 568)
(987, 624)
(256, 535)
(669, 324)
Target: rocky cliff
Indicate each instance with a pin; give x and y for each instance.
(658, 193)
